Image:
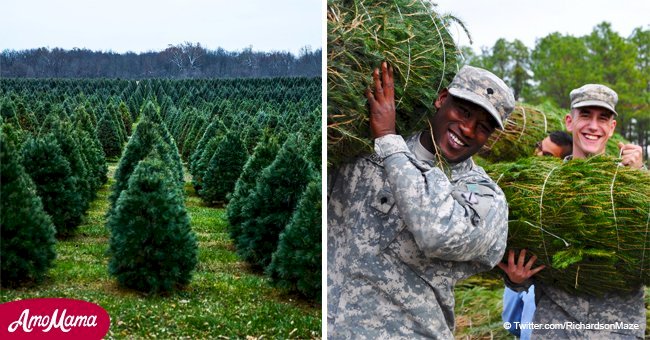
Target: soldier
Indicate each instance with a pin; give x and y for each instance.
(556, 144)
(404, 228)
(592, 123)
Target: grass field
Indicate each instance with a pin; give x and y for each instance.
(225, 299)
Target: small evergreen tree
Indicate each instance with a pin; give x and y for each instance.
(296, 264)
(152, 246)
(224, 169)
(126, 118)
(269, 208)
(263, 154)
(109, 137)
(26, 231)
(56, 186)
(145, 139)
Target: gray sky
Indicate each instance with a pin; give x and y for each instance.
(148, 25)
(528, 20)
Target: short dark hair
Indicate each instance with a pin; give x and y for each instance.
(564, 140)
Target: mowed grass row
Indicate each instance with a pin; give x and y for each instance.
(224, 299)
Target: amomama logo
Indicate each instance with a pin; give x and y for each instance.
(52, 318)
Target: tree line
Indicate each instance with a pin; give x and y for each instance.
(559, 63)
(186, 60)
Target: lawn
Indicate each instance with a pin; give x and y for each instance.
(225, 299)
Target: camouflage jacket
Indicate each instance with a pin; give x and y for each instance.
(400, 235)
(555, 306)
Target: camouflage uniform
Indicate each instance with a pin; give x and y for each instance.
(400, 235)
(555, 306)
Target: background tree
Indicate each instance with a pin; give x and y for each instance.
(269, 208)
(55, 184)
(224, 168)
(26, 230)
(296, 264)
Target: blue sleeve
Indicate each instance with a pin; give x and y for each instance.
(513, 307)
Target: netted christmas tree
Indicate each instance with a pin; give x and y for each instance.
(26, 230)
(526, 126)
(268, 209)
(586, 220)
(296, 264)
(55, 183)
(152, 246)
(263, 155)
(412, 37)
(224, 169)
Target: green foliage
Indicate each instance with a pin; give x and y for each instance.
(125, 117)
(263, 155)
(109, 137)
(296, 264)
(26, 231)
(145, 139)
(586, 219)
(152, 246)
(224, 169)
(55, 184)
(269, 208)
(412, 37)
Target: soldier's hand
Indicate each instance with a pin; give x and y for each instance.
(382, 102)
(520, 271)
(631, 154)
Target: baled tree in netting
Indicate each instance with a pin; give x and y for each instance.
(152, 247)
(526, 126)
(224, 169)
(585, 219)
(55, 184)
(26, 230)
(412, 37)
(108, 135)
(296, 264)
(145, 139)
(269, 208)
(263, 155)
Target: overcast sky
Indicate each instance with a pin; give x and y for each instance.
(147, 25)
(528, 20)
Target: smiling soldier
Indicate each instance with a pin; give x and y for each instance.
(403, 228)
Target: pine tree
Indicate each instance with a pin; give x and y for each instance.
(152, 246)
(203, 162)
(224, 169)
(145, 139)
(269, 208)
(26, 230)
(296, 264)
(56, 186)
(263, 155)
(109, 137)
(126, 117)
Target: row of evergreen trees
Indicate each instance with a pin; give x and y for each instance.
(251, 144)
(50, 174)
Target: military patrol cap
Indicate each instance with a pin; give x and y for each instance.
(594, 95)
(483, 88)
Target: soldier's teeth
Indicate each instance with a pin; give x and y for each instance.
(456, 140)
(591, 137)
